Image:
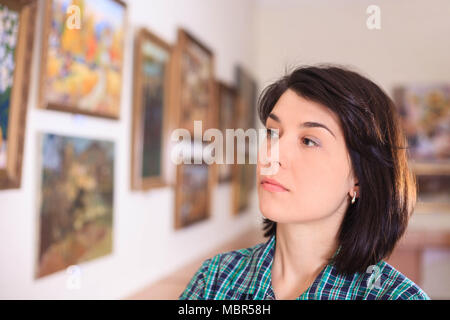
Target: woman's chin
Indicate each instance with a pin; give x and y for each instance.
(269, 211)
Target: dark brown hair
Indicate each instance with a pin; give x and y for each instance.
(377, 147)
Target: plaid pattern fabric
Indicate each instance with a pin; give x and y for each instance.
(245, 274)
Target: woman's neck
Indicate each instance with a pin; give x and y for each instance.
(302, 250)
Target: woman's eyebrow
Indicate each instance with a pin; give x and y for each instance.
(308, 124)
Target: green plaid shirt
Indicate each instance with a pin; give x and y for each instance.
(246, 275)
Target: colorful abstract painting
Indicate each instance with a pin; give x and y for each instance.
(425, 115)
(9, 26)
(76, 202)
(425, 111)
(83, 65)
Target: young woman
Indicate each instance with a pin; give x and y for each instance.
(338, 202)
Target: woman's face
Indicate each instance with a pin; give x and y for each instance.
(314, 164)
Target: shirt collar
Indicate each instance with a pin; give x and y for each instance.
(260, 286)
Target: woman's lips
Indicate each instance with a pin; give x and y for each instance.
(272, 187)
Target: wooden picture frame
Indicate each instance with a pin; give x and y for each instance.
(197, 100)
(226, 95)
(244, 175)
(425, 113)
(193, 193)
(80, 73)
(14, 91)
(151, 110)
(243, 183)
(247, 90)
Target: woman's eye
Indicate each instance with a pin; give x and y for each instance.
(271, 133)
(308, 142)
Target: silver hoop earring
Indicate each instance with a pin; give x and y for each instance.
(354, 197)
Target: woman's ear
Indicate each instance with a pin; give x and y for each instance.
(355, 187)
(353, 190)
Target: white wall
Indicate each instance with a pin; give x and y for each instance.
(145, 246)
(412, 46)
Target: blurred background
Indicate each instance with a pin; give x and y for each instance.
(92, 207)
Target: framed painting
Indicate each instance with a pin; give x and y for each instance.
(150, 110)
(82, 56)
(193, 83)
(17, 19)
(75, 202)
(425, 115)
(247, 91)
(194, 183)
(244, 181)
(227, 117)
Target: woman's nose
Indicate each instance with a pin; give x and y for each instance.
(284, 147)
(275, 153)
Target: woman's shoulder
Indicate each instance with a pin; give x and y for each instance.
(394, 285)
(224, 275)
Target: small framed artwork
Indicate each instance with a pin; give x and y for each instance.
(193, 83)
(150, 110)
(244, 181)
(247, 91)
(194, 182)
(425, 115)
(75, 202)
(17, 19)
(82, 57)
(227, 118)
(433, 192)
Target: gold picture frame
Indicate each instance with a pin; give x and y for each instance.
(247, 90)
(193, 193)
(193, 83)
(151, 110)
(14, 97)
(226, 96)
(243, 183)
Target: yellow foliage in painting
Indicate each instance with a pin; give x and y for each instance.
(79, 69)
(72, 41)
(113, 83)
(116, 47)
(72, 85)
(80, 81)
(89, 82)
(53, 66)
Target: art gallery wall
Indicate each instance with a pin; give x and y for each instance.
(411, 47)
(408, 48)
(145, 245)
